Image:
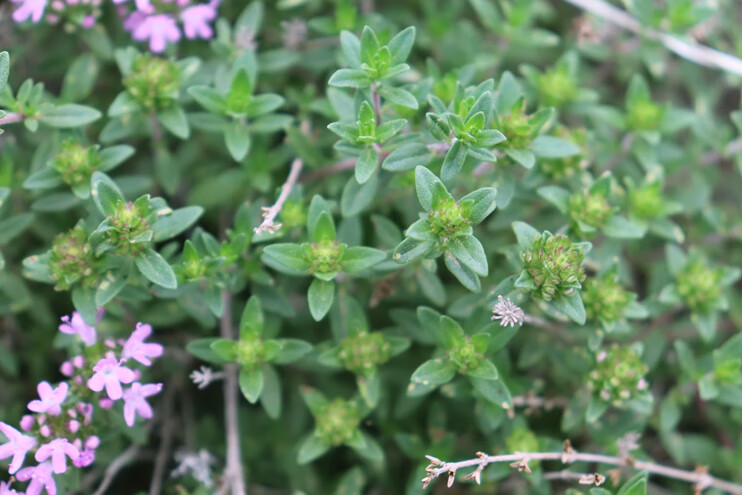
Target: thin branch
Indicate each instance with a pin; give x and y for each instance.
(700, 478)
(166, 442)
(12, 118)
(270, 213)
(233, 471)
(117, 465)
(376, 102)
(696, 53)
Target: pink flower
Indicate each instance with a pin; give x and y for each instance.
(196, 21)
(41, 478)
(135, 401)
(110, 374)
(135, 348)
(58, 450)
(17, 446)
(159, 29)
(50, 398)
(78, 327)
(5, 489)
(33, 9)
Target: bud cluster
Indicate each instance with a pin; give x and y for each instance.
(517, 128)
(590, 209)
(449, 219)
(338, 421)
(699, 285)
(324, 257)
(646, 201)
(76, 163)
(554, 264)
(604, 298)
(644, 116)
(71, 259)
(556, 87)
(131, 226)
(618, 375)
(153, 82)
(362, 353)
(465, 356)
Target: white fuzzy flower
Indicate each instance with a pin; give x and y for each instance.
(507, 312)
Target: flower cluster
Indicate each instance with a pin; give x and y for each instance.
(555, 265)
(618, 376)
(61, 427)
(158, 22)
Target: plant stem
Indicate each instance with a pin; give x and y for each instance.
(269, 214)
(12, 118)
(376, 102)
(233, 471)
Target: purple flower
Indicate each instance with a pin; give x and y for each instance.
(110, 374)
(33, 9)
(135, 348)
(159, 29)
(51, 398)
(135, 401)
(58, 450)
(196, 21)
(5, 489)
(77, 326)
(17, 446)
(41, 478)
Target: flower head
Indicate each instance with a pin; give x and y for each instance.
(135, 347)
(58, 449)
(109, 373)
(135, 401)
(41, 478)
(196, 21)
(5, 489)
(507, 312)
(77, 326)
(17, 446)
(29, 9)
(51, 398)
(159, 29)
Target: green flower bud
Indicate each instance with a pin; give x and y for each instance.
(517, 128)
(337, 421)
(449, 219)
(362, 353)
(589, 209)
(250, 351)
(465, 356)
(560, 168)
(728, 372)
(131, 229)
(324, 256)
(75, 162)
(445, 87)
(644, 116)
(293, 214)
(153, 82)
(604, 298)
(366, 124)
(556, 87)
(72, 259)
(646, 201)
(618, 375)
(699, 285)
(555, 265)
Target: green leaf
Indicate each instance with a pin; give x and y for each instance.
(80, 78)
(470, 252)
(370, 450)
(407, 157)
(155, 269)
(571, 305)
(109, 287)
(401, 45)
(553, 147)
(69, 115)
(370, 388)
(410, 249)
(635, 486)
(479, 204)
(555, 195)
(522, 157)
(106, 193)
(366, 164)
(239, 93)
(369, 45)
(291, 350)
(320, 297)
(351, 47)
(434, 372)
(595, 409)
(316, 207)
(489, 138)
(251, 321)
(349, 78)
(495, 391)
(262, 104)
(620, 227)
(454, 160)
(399, 96)
(427, 186)
(209, 98)
(484, 370)
(123, 104)
(359, 258)
(201, 348)
(174, 120)
(431, 286)
(14, 226)
(638, 91)
(358, 197)
(46, 178)
(463, 274)
(168, 226)
(84, 301)
(311, 448)
(270, 399)
(525, 234)
(114, 156)
(238, 141)
(421, 230)
(389, 129)
(251, 384)
(324, 229)
(286, 258)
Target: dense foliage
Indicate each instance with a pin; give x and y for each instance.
(297, 246)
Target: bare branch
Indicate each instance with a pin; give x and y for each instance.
(269, 214)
